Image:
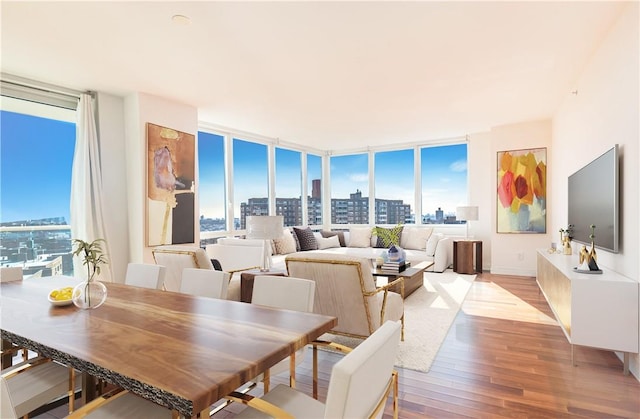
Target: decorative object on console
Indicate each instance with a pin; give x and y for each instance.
(467, 214)
(265, 227)
(90, 293)
(565, 238)
(522, 177)
(170, 186)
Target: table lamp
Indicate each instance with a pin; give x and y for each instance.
(265, 227)
(467, 214)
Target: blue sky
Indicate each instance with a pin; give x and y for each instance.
(36, 155)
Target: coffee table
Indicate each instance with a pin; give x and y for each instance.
(413, 277)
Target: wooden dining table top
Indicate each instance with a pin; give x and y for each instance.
(181, 351)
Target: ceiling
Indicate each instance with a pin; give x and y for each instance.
(331, 75)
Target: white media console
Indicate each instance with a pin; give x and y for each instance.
(596, 310)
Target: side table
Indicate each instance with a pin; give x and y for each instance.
(463, 255)
(247, 278)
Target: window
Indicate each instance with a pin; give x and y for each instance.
(36, 157)
(350, 189)
(250, 181)
(444, 182)
(394, 187)
(289, 186)
(211, 182)
(314, 179)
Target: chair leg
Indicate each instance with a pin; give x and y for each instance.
(266, 380)
(315, 372)
(72, 389)
(292, 370)
(396, 408)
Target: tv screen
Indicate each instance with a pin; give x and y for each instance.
(594, 199)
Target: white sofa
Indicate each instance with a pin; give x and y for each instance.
(442, 250)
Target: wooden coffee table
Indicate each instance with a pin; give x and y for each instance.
(413, 277)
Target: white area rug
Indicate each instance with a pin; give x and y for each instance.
(429, 313)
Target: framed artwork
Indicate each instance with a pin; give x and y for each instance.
(170, 186)
(522, 191)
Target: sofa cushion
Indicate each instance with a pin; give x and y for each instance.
(286, 244)
(432, 244)
(340, 234)
(328, 242)
(360, 237)
(387, 236)
(306, 238)
(415, 237)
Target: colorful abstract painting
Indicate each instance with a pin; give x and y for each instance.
(170, 186)
(522, 191)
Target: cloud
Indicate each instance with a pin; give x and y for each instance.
(359, 177)
(458, 166)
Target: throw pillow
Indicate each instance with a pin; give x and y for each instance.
(286, 244)
(339, 234)
(432, 243)
(415, 237)
(306, 238)
(328, 242)
(360, 237)
(295, 239)
(387, 236)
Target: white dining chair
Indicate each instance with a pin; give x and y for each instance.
(205, 283)
(145, 275)
(359, 386)
(10, 273)
(120, 404)
(32, 384)
(287, 293)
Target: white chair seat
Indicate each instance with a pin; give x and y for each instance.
(33, 387)
(295, 403)
(124, 405)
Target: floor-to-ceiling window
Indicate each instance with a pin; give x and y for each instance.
(314, 187)
(211, 182)
(250, 181)
(36, 156)
(444, 182)
(289, 186)
(394, 187)
(350, 189)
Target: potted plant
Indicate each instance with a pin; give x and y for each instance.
(90, 293)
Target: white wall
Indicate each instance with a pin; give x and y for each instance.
(482, 180)
(141, 108)
(605, 111)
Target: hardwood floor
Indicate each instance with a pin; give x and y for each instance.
(505, 356)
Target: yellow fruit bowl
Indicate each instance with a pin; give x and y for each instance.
(61, 296)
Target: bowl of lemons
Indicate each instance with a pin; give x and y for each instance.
(61, 296)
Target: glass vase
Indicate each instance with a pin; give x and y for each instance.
(89, 294)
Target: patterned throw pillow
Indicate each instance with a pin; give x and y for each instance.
(306, 238)
(387, 236)
(286, 244)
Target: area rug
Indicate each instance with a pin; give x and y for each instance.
(429, 313)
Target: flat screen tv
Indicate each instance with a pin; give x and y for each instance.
(594, 199)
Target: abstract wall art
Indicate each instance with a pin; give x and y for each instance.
(170, 186)
(522, 191)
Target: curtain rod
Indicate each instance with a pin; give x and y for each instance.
(18, 81)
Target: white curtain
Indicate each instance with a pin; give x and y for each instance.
(87, 222)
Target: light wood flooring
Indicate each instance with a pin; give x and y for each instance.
(504, 357)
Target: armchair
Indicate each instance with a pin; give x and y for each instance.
(345, 288)
(175, 259)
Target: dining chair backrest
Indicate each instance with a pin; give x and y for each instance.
(145, 275)
(359, 382)
(10, 273)
(177, 257)
(236, 258)
(284, 292)
(205, 283)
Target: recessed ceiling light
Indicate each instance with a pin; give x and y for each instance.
(181, 19)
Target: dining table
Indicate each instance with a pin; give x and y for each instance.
(181, 351)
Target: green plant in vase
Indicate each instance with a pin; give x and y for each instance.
(93, 257)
